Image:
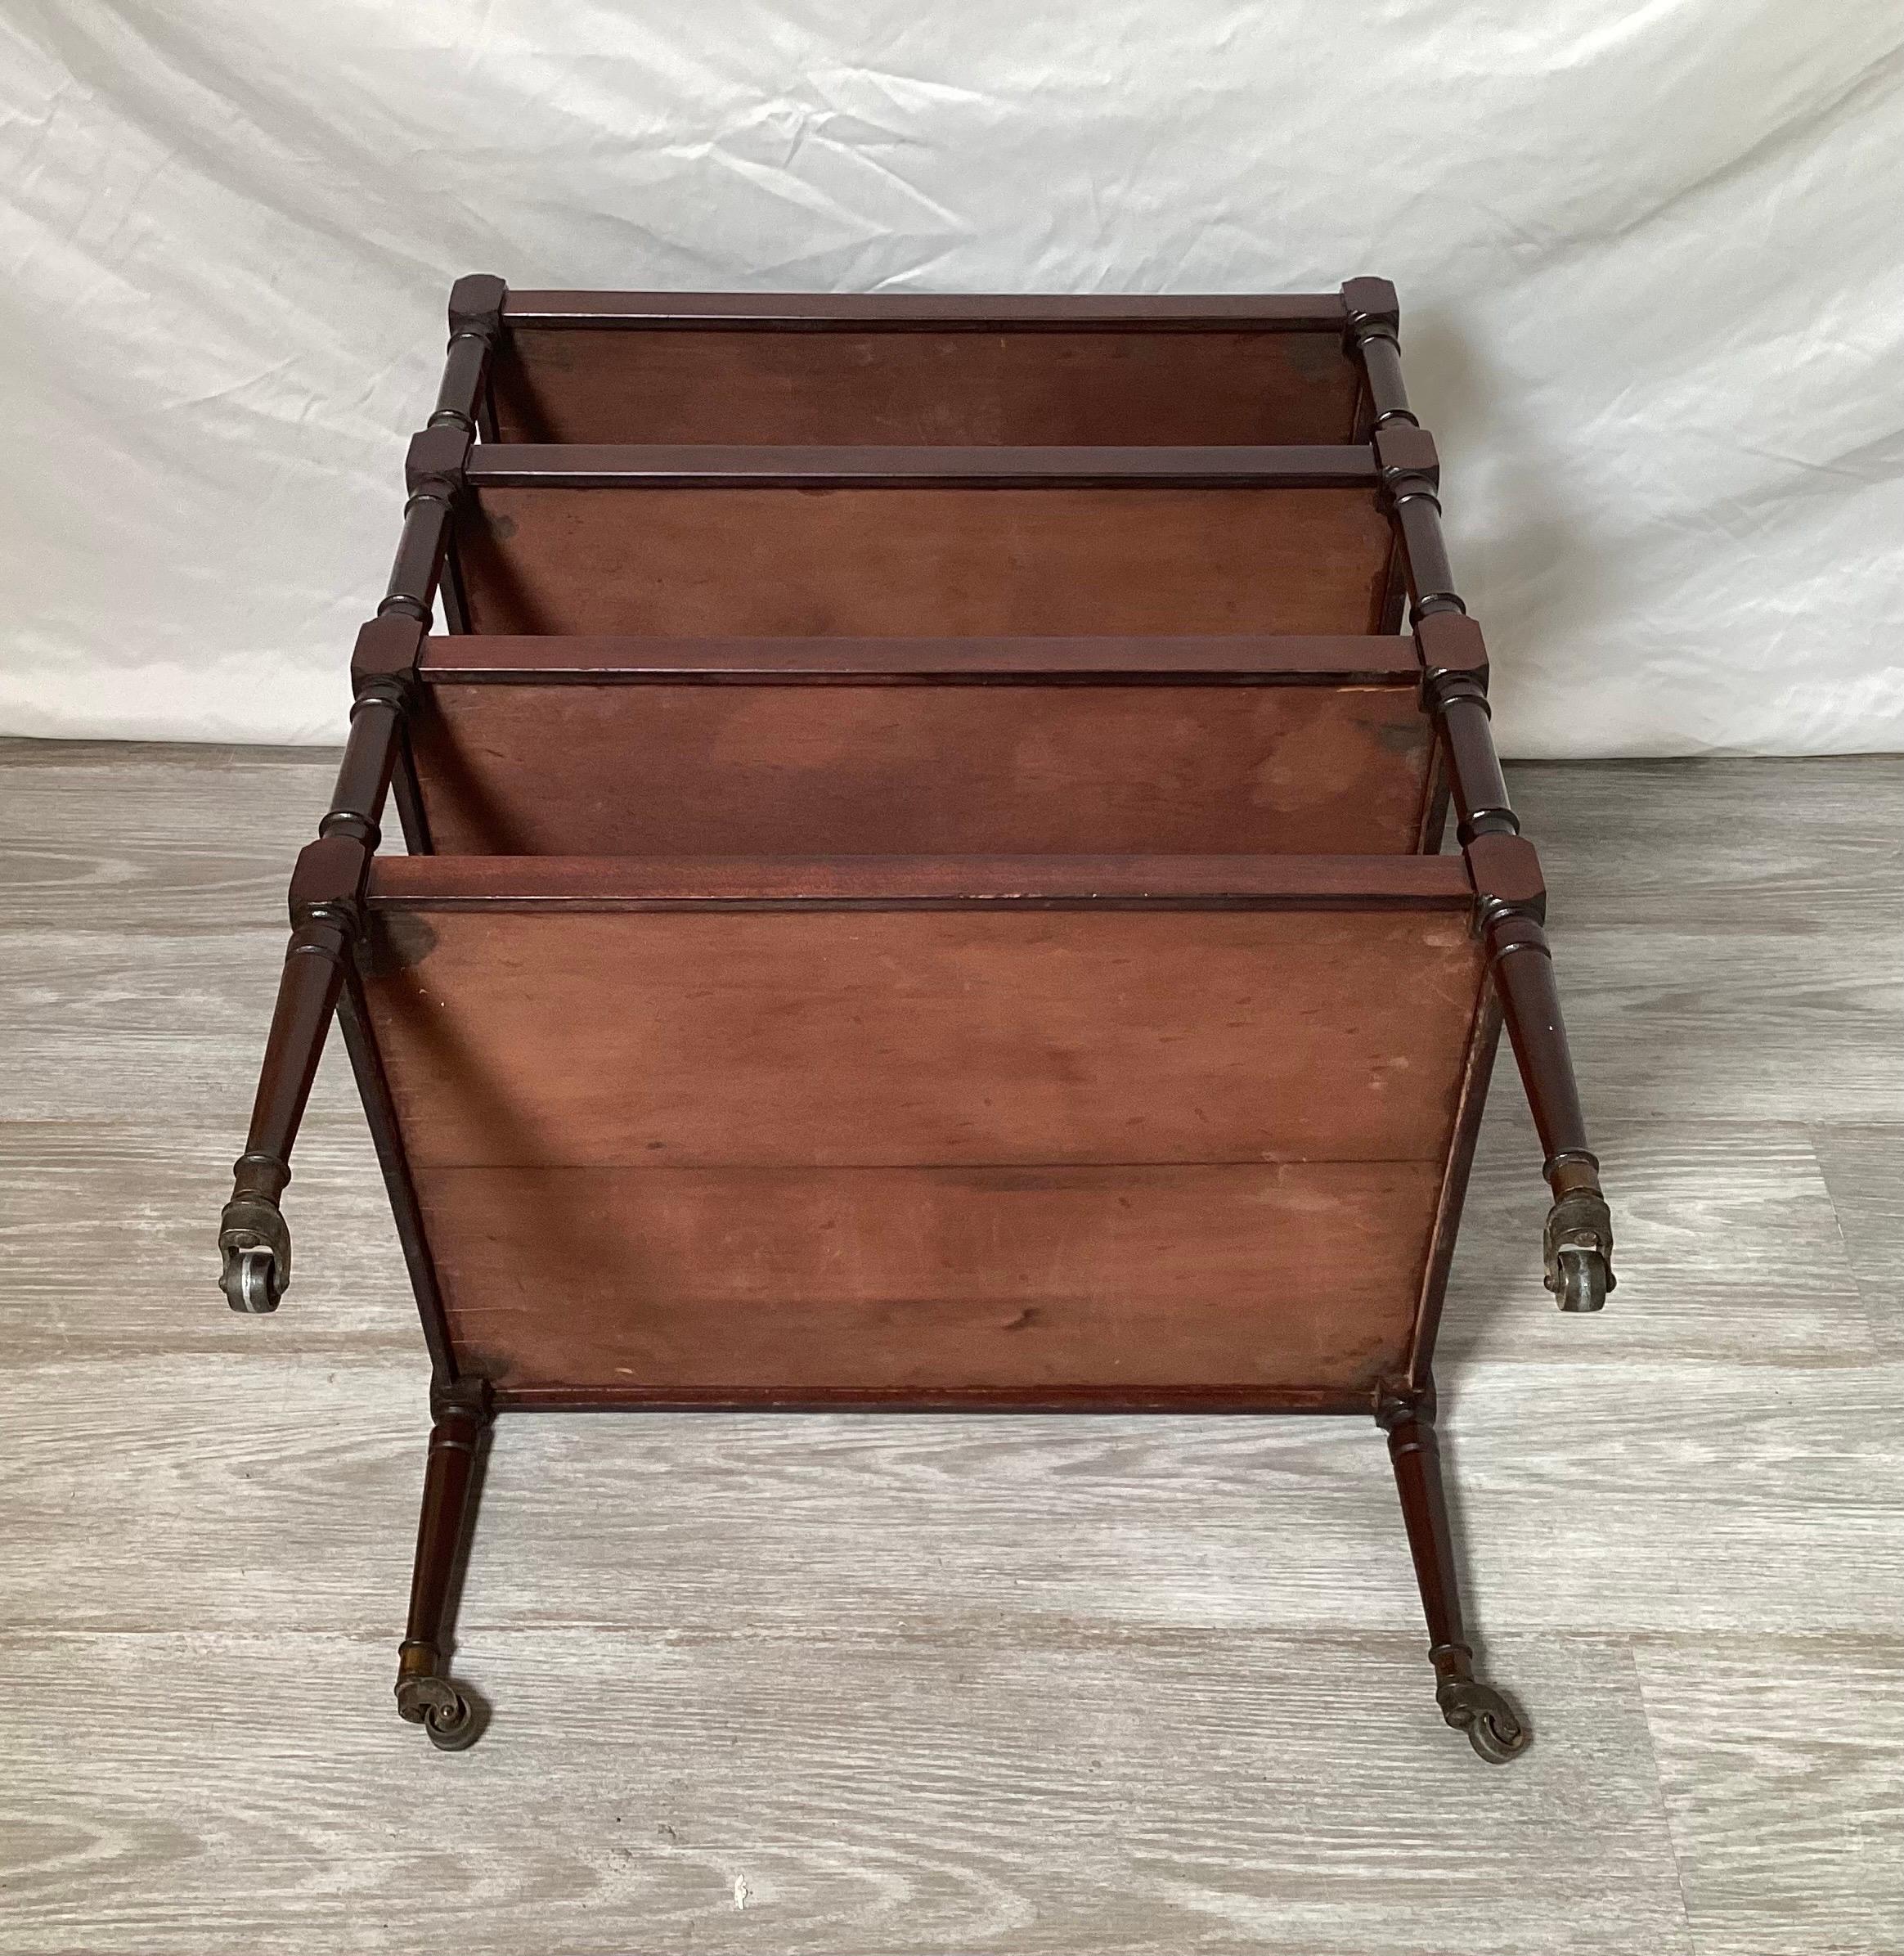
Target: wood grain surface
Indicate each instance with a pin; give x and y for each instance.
(738, 769)
(944, 1285)
(930, 562)
(938, 1154)
(583, 385)
(1007, 1685)
(1864, 1170)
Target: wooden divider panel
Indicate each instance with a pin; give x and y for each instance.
(934, 562)
(681, 1134)
(852, 384)
(829, 746)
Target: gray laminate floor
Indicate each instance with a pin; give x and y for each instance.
(847, 1685)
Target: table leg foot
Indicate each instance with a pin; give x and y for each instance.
(451, 1716)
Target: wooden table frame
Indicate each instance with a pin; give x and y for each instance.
(336, 884)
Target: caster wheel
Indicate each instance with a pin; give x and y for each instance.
(250, 1281)
(1492, 1727)
(1577, 1249)
(452, 1720)
(1584, 1280)
(455, 1729)
(254, 1254)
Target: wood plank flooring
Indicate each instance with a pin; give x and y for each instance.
(974, 1685)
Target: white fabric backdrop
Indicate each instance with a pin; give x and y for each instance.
(1649, 253)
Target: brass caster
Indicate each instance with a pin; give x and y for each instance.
(451, 1721)
(1493, 1728)
(1577, 1250)
(255, 1247)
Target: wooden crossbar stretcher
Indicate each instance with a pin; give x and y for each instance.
(924, 886)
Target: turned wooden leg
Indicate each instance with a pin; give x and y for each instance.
(425, 1696)
(1578, 1242)
(326, 900)
(254, 1246)
(1493, 1728)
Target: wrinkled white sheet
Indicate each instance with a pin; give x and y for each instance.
(1651, 258)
